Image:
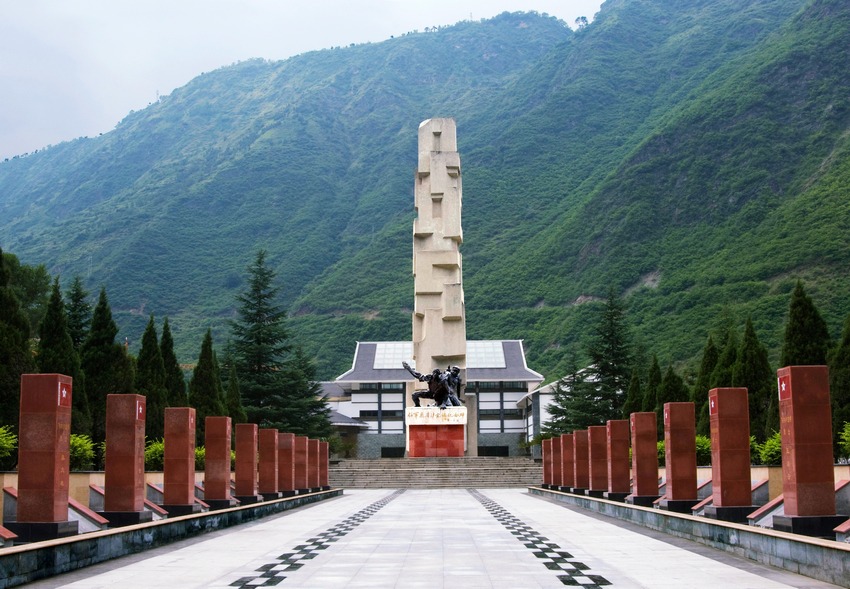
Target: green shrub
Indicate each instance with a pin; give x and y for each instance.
(8, 448)
(703, 451)
(662, 454)
(200, 457)
(81, 452)
(154, 455)
(771, 451)
(844, 443)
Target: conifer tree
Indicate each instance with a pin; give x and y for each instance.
(15, 352)
(634, 398)
(276, 385)
(175, 383)
(721, 376)
(752, 370)
(205, 393)
(233, 398)
(699, 395)
(78, 309)
(56, 355)
(572, 405)
(609, 360)
(108, 367)
(807, 338)
(672, 390)
(839, 385)
(150, 382)
(653, 381)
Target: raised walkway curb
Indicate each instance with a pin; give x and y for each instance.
(29, 562)
(825, 560)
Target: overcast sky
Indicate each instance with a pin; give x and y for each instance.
(71, 68)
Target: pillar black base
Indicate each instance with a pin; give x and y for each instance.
(678, 505)
(819, 526)
(732, 513)
(220, 503)
(118, 519)
(271, 496)
(249, 499)
(177, 510)
(642, 500)
(594, 493)
(612, 496)
(39, 531)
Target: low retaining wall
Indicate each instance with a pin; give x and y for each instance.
(29, 562)
(825, 560)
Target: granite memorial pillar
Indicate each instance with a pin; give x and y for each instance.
(217, 438)
(44, 434)
(567, 467)
(581, 466)
(179, 462)
(644, 433)
(597, 460)
(617, 440)
(301, 461)
(246, 463)
(124, 479)
(324, 464)
(729, 416)
(313, 465)
(546, 449)
(268, 481)
(680, 449)
(286, 464)
(557, 463)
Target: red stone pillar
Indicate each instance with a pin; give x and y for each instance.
(269, 464)
(557, 463)
(680, 450)
(729, 416)
(44, 434)
(313, 465)
(617, 441)
(286, 464)
(597, 460)
(124, 484)
(324, 463)
(568, 475)
(302, 484)
(805, 426)
(546, 449)
(246, 463)
(644, 458)
(581, 467)
(179, 461)
(217, 462)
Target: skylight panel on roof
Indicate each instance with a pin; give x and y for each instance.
(391, 354)
(485, 354)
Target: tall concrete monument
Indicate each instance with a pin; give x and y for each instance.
(439, 317)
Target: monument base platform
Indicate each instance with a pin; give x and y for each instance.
(221, 503)
(642, 500)
(818, 526)
(249, 499)
(118, 519)
(596, 494)
(271, 496)
(731, 513)
(614, 496)
(678, 505)
(177, 510)
(434, 432)
(39, 531)
(577, 490)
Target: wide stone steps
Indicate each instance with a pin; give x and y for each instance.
(433, 473)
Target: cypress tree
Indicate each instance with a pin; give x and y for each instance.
(307, 414)
(150, 381)
(609, 360)
(78, 309)
(807, 338)
(839, 385)
(175, 383)
(233, 398)
(56, 355)
(710, 356)
(721, 376)
(752, 370)
(653, 381)
(205, 393)
(634, 398)
(672, 390)
(108, 367)
(15, 352)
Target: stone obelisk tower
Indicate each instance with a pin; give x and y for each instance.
(439, 318)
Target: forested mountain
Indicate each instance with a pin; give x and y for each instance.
(691, 155)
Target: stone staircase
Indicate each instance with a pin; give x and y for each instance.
(434, 473)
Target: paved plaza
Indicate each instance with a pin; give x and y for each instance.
(441, 538)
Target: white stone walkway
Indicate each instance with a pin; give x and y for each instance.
(442, 538)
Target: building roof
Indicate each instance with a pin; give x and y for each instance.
(486, 360)
(340, 420)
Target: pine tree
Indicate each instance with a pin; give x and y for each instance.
(839, 385)
(699, 394)
(78, 309)
(150, 382)
(15, 352)
(634, 398)
(175, 383)
(752, 370)
(653, 382)
(233, 398)
(609, 360)
(205, 393)
(572, 405)
(672, 390)
(277, 387)
(56, 355)
(106, 364)
(807, 338)
(721, 376)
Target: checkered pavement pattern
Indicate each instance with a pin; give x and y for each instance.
(274, 573)
(571, 572)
